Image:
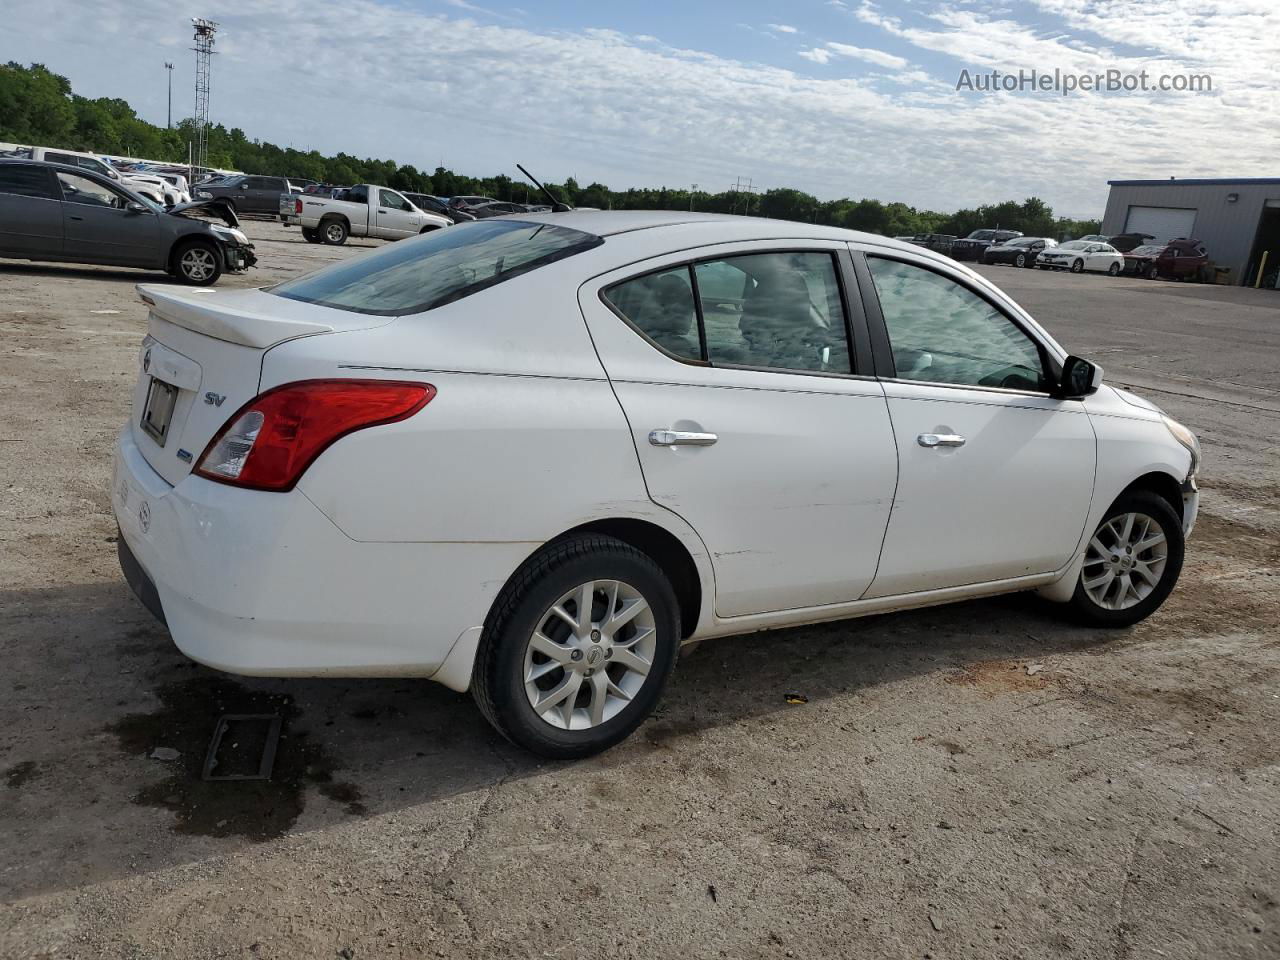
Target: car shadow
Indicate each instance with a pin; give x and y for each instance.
(107, 723)
(84, 272)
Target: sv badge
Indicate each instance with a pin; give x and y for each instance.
(215, 399)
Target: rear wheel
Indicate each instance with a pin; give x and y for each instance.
(577, 648)
(1114, 270)
(1153, 273)
(1131, 562)
(198, 262)
(334, 232)
(1020, 260)
(309, 234)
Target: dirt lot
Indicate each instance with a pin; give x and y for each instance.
(934, 797)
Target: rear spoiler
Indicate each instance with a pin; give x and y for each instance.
(201, 310)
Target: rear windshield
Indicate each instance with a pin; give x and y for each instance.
(438, 267)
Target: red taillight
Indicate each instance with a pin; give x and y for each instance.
(270, 441)
(297, 206)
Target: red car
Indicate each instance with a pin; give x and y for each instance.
(1180, 259)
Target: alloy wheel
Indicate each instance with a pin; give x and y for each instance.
(590, 654)
(197, 264)
(333, 232)
(1124, 561)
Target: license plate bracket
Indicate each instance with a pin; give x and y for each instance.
(157, 412)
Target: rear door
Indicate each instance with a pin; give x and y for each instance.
(753, 417)
(30, 212)
(396, 217)
(98, 227)
(995, 475)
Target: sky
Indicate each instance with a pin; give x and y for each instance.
(838, 98)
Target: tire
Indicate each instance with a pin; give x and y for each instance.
(1151, 515)
(1020, 260)
(310, 235)
(334, 232)
(197, 262)
(507, 655)
(1153, 273)
(1114, 270)
(1077, 266)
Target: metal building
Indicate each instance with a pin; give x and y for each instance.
(1238, 220)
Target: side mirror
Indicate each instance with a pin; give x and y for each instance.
(133, 206)
(244, 186)
(1080, 378)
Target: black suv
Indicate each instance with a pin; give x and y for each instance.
(975, 244)
(247, 193)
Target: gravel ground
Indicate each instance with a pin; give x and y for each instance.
(983, 780)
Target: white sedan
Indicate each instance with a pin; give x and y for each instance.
(1080, 255)
(532, 456)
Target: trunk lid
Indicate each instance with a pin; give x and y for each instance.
(202, 360)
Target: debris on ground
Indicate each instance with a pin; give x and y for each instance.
(795, 698)
(1034, 668)
(165, 753)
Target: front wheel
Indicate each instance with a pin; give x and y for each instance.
(198, 262)
(1077, 266)
(1131, 562)
(577, 647)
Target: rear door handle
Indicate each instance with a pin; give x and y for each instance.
(940, 440)
(679, 438)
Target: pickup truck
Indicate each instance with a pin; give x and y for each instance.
(365, 210)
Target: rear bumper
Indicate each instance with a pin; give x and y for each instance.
(264, 584)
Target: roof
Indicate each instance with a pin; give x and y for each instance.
(1195, 182)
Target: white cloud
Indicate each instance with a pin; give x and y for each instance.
(782, 28)
(817, 55)
(383, 80)
(878, 57)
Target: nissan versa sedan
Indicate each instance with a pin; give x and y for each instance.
(531, 457)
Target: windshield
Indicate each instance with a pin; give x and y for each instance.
(438, 267)
(1021, 242)
(1074, 245)
(981, 235)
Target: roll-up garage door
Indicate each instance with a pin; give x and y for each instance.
(1163, 223)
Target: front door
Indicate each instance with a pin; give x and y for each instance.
(995, 475)
(98, 227)
(749, 419)
(396, 217)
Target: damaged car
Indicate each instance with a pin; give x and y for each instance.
(58, 213)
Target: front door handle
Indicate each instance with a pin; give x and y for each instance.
(677, 438)
(940, 440)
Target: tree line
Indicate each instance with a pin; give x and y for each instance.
(38, 107)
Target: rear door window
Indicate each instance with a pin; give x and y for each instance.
(438, 267)
(26, 181)
(771, 311)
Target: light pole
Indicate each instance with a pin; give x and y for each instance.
(169, 68)
(691, 193)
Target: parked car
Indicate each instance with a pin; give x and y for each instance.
(1094, 238)
(56, 212)
(1180, 259)
(938, 242)
(971, 247)
(365, 210)
(495, 208)
(414, 479)
(468, 202)
(1125, 242)
(152, 188)
(424, 201)
(248, 193)
(1080, 255)
(1018, 252)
